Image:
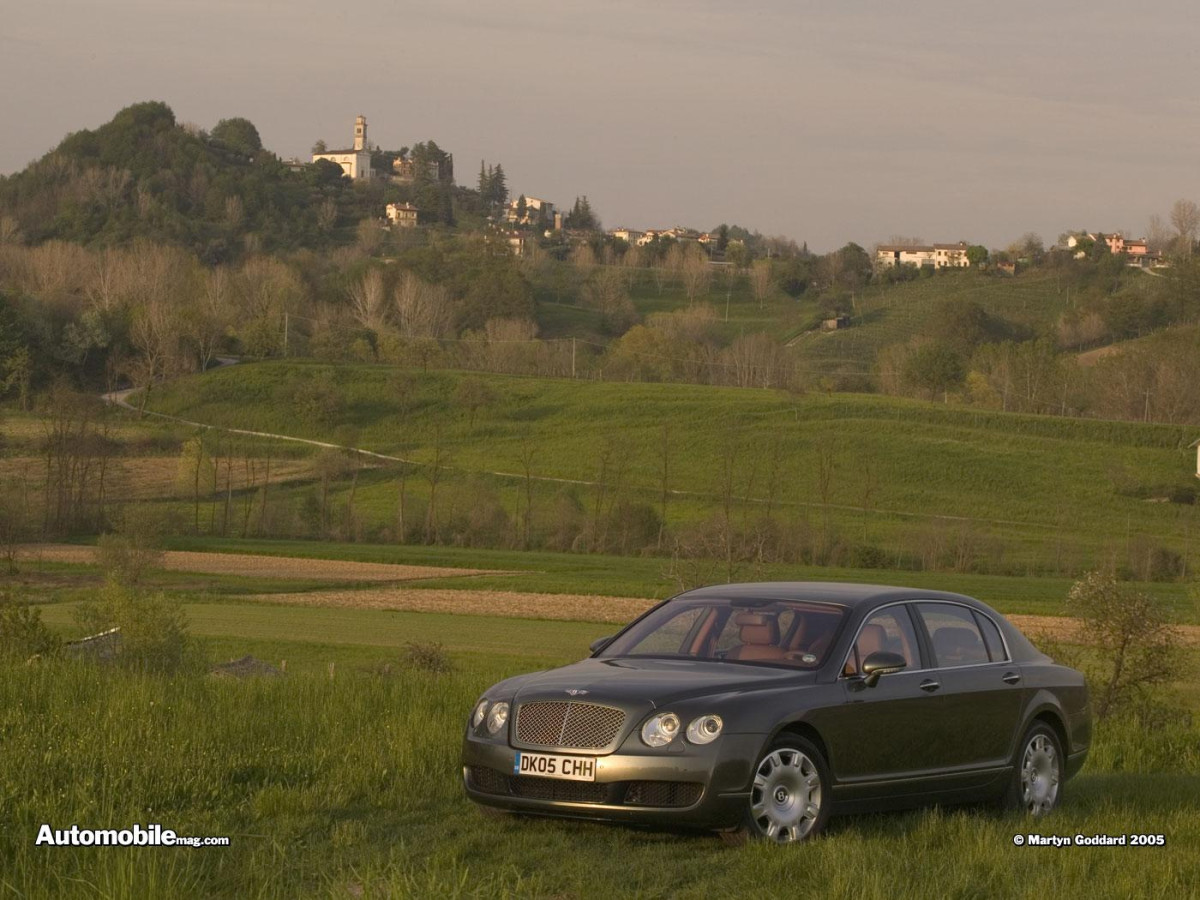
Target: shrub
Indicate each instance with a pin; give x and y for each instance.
(1137, 650)
(126, 557)
(428, 656)
(23, 634)
(154, 634)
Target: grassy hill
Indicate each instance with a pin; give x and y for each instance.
(907, 478)
(1029, 304)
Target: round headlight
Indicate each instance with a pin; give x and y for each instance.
(480, 712)
(660, 730)
(497, 716)
(705, 729)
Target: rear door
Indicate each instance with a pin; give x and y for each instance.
(980, 688)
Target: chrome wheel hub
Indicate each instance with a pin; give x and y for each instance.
(786, 797)
(1039, 776)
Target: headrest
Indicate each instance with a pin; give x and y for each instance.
(754, 618)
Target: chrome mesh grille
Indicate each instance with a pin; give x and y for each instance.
(561, 723)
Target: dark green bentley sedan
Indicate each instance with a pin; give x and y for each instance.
(762, 709)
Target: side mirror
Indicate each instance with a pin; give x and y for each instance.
(600, 643)
(881, 662)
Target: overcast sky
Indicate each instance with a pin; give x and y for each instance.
(823, 121)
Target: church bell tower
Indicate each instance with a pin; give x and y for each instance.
(360, 133)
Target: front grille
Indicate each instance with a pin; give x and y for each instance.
(489, 781)
(662, 793)
(561, 723)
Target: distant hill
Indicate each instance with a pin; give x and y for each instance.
(144, 175)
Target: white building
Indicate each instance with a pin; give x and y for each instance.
(534, 210)
(402, 215)
(939, 256)
(355, 162)
(628, 235)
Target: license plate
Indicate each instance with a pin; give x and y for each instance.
(545, 765)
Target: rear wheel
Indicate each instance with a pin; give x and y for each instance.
(1036, 785)
(789, 796)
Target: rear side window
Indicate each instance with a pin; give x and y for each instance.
(991, 637)
(954, 634)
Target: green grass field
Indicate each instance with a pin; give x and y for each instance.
(348, 786)
(1035, 492)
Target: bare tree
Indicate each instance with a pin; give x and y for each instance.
(605, 292)
(760, 280)
(1185, 217)
(434, 472)
(696, 274)
(422, 310)
(368, 300)
(528, 455)
(207, 321)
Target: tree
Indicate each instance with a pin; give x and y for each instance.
(319, 146)
(473, 394)
(935, 369)
(127, 556)
(1185, 217)
(695, 273)
(581, 216)
(16, 374)
(760, 280)
(737, 255)
(605, 292)
(238, 133)
(977, 255)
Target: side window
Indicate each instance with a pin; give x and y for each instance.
(954, 635)
(991, 637)
(890, 630)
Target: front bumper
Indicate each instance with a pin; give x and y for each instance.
(693, 787)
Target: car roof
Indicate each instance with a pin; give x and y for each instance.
(846, 594)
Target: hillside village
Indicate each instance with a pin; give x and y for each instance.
(521, 221)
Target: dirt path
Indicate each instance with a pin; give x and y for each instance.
(509, 604)
(257, 566)
(1065, 629)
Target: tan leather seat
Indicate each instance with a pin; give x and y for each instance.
(759, 636)
(871, 639)
(958, 646)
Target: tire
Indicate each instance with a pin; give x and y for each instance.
(1036, 786)
(790, 797)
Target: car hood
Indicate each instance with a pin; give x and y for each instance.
(652, 681)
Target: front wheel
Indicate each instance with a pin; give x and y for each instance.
(1036, 785)
(789, 797)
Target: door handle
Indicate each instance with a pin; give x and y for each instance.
(1010, 677)
(929, 685)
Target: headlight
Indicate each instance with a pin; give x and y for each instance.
(480, 712)
(705, 729)
(497, 716)
(660, 730)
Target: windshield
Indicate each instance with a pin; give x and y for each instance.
(772, 632)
